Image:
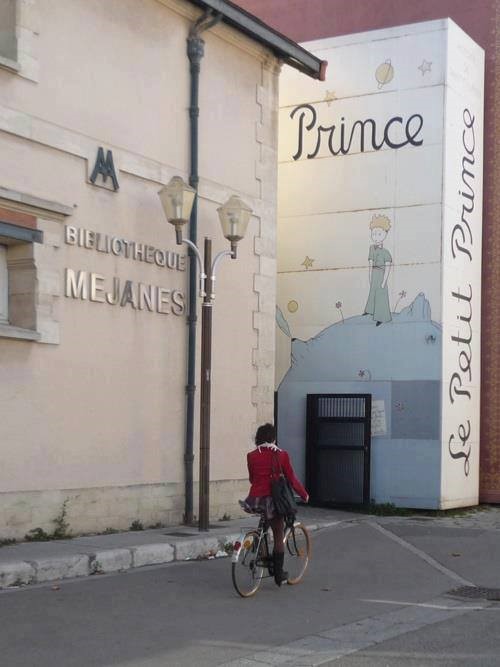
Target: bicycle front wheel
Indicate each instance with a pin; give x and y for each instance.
(297, 552)
(247, 569)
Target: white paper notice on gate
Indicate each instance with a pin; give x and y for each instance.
(378, 418)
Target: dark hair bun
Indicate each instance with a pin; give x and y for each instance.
(265, 433)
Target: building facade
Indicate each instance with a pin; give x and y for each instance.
(379, 267)
(94, 100)
(324, 22)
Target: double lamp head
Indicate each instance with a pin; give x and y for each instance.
(177, 199)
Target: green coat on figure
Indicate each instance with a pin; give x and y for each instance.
(378, 298)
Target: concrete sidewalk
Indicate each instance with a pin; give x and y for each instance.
(38, 562)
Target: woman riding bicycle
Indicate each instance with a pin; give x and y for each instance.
(262, 464)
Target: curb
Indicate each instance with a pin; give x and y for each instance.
(15, 574)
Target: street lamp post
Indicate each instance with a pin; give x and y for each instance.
(177, 199)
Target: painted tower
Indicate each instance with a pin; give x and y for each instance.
(379, 253)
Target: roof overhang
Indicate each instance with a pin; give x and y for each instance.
(287, 50)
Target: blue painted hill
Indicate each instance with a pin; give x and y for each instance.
(356, 349)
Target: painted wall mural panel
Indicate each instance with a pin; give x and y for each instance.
(373, 250)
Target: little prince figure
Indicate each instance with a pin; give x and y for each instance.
(380, 263)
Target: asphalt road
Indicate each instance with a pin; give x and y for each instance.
(372, 596)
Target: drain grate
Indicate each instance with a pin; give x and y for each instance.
(476, 593)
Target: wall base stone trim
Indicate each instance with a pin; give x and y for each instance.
(98, 509)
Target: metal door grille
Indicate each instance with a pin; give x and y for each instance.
(340, 406)
(338, 448)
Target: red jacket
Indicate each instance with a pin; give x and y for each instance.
(260, 467)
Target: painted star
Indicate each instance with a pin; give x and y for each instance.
(425, 66)
(330, 96)
(308, 262)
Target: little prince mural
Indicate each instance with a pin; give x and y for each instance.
(380, 263)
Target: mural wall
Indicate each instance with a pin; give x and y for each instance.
(379, 257)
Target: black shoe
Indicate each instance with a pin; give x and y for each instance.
(280, 577)
(378, 324)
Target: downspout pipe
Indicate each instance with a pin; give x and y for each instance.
(195, 53)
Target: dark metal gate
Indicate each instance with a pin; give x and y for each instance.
(338, 448)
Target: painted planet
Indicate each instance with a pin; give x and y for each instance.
(384, 73)
(293, 306)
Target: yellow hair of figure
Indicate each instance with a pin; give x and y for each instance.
(381, 221)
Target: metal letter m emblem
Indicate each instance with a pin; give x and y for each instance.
(105, 167)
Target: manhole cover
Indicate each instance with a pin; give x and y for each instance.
(476, 593)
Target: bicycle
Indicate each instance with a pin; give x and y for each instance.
(253, 554)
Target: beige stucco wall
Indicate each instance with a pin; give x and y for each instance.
(94, 412)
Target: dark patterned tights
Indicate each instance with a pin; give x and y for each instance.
(278, 528)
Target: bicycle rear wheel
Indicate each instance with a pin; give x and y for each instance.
(297, 552)
(248, 569)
